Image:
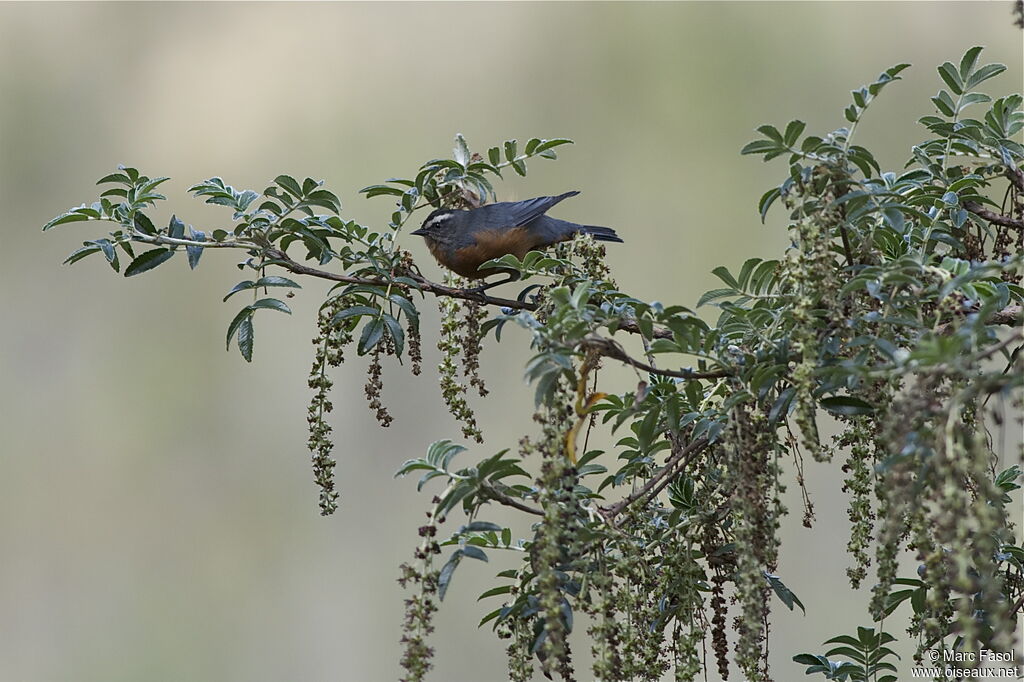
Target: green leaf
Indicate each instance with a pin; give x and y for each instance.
(242, 315)
(289, 184)
(480, 527)
(547, 145)
(792, 133)
(245, 338)
(495, 591)
(970, 58)
(944, 103)
(271, 304)
(784, 593)
(377, 190)
(984, 73)
(147, 261)
(767, 199)
(114, 177)
(325, 199)
(81, 253)
(354, 311)
(395, 331)
(461, 151)
(373, 331)
(474, 552)
(241, 286)
(771, 132)
(949, 74)
(723, 274)
(846, 405)
(444, 578)
(714, 295)
(65, 218)
(276, 281)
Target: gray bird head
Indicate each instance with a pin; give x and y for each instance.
(439, 225)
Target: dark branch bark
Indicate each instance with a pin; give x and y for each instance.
(993, 217)
(501, 498)
(610, 349)
(1016, 176)
(1009, 316)
(279, 257)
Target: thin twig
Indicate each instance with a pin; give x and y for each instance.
(501, 498)
(423, 284)
(610, 349)
(672, 466)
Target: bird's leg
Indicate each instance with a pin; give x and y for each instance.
(512, 277)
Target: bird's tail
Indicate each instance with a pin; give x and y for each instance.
(601, 234)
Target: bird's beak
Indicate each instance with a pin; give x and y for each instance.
(421, 232)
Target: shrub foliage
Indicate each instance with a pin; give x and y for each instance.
(895, 313)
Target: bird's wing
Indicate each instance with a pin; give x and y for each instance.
(519, 213)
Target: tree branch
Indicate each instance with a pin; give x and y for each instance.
(657, 482)
(1016, 176)
(163, 240)
(1009, 316)
(610, 349)
(993, 217)
(279, 257)
(501, 498)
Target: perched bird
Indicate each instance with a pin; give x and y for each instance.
(463, 240)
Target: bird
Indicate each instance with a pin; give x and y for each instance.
(463, 240)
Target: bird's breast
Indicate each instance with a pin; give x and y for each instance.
(489, 244)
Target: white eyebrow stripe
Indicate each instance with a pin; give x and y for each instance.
(436, 219)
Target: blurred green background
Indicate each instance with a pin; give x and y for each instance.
(157, 515)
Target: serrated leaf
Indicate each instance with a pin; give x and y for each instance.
(63, 219)
(354, 311)
(714, 295)
(271, 304)
(245, 338)
(723, 274)
(793, 131)
(244, 313)
(373, 331)
(147, 261)
(949, 75)
(395, 331)
(984, 73)
(81, 253)
(289, 184)
(970, 58)
(547, 145)
(114, 177)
